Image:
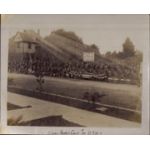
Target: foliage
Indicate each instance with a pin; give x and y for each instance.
(93, 46)
(128, 48)
(68, 34)
(127, 52)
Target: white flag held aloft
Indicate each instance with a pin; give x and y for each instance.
(88, 56)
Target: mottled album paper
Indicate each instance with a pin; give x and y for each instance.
(75, 74)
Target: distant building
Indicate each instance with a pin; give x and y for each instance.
(88, 56)
(24, 43)
(29, 45)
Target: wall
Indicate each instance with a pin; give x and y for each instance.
(23, 47)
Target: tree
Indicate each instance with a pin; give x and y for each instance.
(95, 48)
(128, 48)
(114, 54)
(108, 54)
(68, 34)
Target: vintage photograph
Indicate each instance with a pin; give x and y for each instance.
(75, 70)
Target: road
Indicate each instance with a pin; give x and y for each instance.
(122, 95)
(132, 89)
(40, 109)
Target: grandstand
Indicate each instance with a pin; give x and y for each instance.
(61, 55)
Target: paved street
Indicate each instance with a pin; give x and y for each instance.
(123, 95)
(40, 109)
(130, 89)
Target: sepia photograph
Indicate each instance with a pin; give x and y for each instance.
(75, 70)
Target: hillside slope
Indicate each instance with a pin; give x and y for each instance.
(70, 44)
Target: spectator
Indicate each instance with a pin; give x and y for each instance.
(52, 67)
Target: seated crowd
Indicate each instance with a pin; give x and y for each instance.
(71, 70)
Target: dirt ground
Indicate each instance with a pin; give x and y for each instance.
(124, 95)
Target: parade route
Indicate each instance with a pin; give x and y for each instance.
(41, 109)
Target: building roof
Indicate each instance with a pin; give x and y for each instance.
(26, 36)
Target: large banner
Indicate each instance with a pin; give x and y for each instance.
(88, 56)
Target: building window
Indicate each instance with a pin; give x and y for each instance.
(29, 45)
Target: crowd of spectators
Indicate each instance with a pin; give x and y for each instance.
(55, 68)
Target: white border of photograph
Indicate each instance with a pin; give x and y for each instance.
(144, 129)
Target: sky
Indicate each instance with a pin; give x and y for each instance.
(108, 32)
